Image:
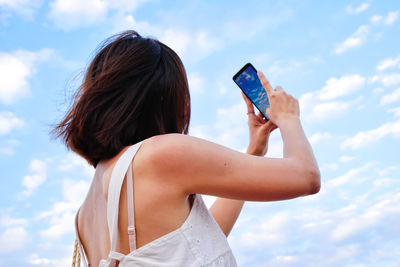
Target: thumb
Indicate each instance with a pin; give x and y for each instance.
(268, 127)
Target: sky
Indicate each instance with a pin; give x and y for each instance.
(341, 59)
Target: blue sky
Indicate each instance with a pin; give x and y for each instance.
(341, 59)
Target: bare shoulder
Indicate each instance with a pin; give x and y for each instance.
(178, 154)
(175, 146)
(167, 160)
(174, 140)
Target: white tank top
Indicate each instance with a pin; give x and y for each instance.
(198, 242)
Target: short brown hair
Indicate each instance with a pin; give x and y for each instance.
(133, 89)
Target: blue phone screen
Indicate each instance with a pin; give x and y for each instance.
(249, 82)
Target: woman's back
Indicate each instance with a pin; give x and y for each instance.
(159, 212)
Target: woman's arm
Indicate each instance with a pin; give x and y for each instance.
(193, 165)
(224, 210)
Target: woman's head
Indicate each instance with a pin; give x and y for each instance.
(133, 89)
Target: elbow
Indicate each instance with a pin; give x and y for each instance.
(313, 177)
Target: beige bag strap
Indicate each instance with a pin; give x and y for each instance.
(76, 257)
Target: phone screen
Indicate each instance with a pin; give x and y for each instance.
(248, 81)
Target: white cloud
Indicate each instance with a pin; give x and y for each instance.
(8, 146)
(378, 90)
(222, 89)
(387, 170)
(229, 128)
(7, 221)
(16, 68)
(72, 14)
(365, 138)
(319, 137)
(190, 45)
(391, 17)
(275, 145)
(35, 259)
(74, 162)
(8, 121)
(282, 68)
(332, 166)
(372, 215)
(376, 19)
(25, 8)
(13, 238)
(272, 230)
(345, 85)
(61, 216)
(69, 14)
(391, 98)
(346, 159)
(356, 39)
(386, 79)
(357, 10)
(351, 176)
(313, 109)
(38, 174)
(388, 63)
(245, 28)
(230, 125)
(200, 131)
(390, 79)
(196, 82)
(395, 111)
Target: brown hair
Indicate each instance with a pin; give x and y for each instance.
(133, 89)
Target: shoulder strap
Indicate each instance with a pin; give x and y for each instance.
(131, 209)
(114, 190)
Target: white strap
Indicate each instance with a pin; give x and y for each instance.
(131, 209)
(114, 191)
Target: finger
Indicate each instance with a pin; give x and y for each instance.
(260, 118)
(268, 112)
(265, 83)
(278, 88)
(250, 108)
(272, 126)
(269, 127)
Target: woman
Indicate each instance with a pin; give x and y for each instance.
(130, 120)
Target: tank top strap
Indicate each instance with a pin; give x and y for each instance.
(114, 191)
(131, 209)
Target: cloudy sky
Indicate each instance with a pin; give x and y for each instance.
(340, 58)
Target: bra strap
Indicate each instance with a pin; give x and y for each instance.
(131, 209)
(114, 191)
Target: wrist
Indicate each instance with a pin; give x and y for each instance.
(287, 121)
(255, 152)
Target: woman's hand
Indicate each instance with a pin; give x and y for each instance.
(283, 107)
(259, 130)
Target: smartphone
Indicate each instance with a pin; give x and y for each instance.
(247, 80)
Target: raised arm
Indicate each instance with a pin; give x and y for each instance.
(224, 210)
(194, 165)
